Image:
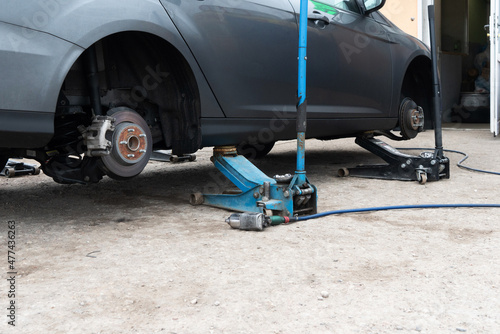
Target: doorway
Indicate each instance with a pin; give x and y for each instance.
(464, 59)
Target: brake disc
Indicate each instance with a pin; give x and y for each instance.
(132, 145)
(411, 119)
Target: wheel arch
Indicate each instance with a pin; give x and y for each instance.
(417, 84)
(88, 24)
(155, 69)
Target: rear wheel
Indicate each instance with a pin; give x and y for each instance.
(132, 145)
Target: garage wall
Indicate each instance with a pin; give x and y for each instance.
(404, 13)
(412, 17)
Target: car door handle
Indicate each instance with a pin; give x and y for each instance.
(317, 18)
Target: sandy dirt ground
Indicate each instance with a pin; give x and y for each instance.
(136, 257)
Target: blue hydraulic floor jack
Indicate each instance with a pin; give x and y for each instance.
(285, 196)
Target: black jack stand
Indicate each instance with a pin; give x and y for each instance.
(428, 166)
(16, 168)
(400, 166)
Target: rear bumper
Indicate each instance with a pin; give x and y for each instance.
(33, 66)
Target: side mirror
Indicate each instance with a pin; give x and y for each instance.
(372, 5)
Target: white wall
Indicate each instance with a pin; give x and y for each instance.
(424, 21)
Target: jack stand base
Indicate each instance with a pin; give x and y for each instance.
(279, 196)
(403, 167)
(15, 168)
(167, 157)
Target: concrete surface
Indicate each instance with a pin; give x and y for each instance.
(135, 257)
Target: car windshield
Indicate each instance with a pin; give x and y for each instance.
(331, 6)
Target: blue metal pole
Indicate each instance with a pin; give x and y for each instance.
(302, 104)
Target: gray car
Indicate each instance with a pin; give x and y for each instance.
(92, 88)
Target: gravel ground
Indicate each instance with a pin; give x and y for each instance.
(135, 257)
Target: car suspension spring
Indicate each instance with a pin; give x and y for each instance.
(66, 134)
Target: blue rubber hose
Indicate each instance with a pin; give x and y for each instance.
(387, 208)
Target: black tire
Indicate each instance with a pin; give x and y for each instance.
(258, 151)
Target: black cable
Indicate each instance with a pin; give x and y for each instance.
(466, 156)
(459, 164)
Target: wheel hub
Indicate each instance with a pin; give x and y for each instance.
(411, 119)
(130, 143)
(416, 118)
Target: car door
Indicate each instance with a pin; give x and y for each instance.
(246, 49)
(349, 71)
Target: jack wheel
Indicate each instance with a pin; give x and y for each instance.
(36, 170)
(10, 172)
(196, 199)
(268, 212)
(343, 172)
(132, 145)
(422, 178)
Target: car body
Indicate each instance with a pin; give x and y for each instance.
(79, 78)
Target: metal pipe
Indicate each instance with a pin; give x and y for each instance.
(436, 98)
(93, 79)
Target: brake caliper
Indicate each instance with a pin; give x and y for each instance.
(94, 136)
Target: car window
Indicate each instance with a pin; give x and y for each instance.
(329, 6)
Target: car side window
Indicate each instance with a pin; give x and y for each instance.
(347, 5)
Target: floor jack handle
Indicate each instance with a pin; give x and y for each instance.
(302, 103)
(436, 99)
